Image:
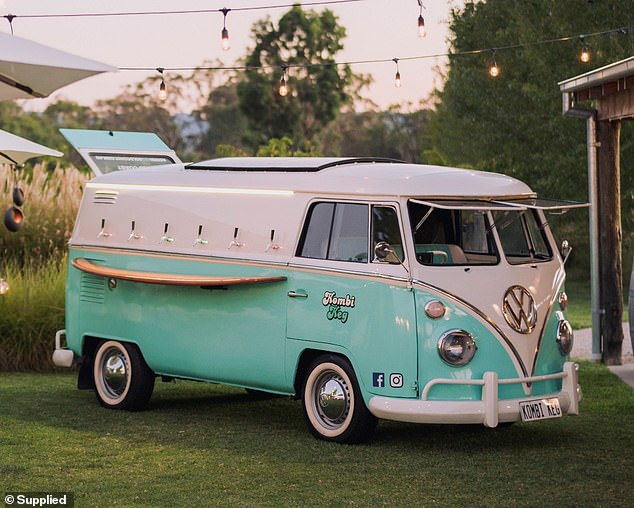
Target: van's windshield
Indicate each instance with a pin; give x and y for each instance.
(452, 236)
(464, 235)
(522, 236)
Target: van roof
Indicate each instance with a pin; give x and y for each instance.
(322, 175)
(300, 164)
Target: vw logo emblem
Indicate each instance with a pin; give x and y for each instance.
(519, 309)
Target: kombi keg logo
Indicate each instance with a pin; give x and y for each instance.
(335, 304)
(519, 309)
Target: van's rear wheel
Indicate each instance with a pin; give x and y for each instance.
(333, 404)
(122, 378)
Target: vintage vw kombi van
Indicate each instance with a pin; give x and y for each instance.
(367, 288)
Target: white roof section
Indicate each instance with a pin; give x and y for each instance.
(598, 76)
(337, 176)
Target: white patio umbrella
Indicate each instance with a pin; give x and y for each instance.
(15, 150)
(29, 69)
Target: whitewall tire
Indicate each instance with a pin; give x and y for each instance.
(122, 378)
(333, 405)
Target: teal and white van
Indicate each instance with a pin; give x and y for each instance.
(367, 288)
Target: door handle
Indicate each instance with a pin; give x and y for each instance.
(295, 294)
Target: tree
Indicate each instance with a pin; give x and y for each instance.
(304, 44)
(283, 147)
(513, 123)
(393, 133)
(138, 108)
(225, 122)
(41, 128)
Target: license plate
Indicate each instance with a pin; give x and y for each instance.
(543, 409)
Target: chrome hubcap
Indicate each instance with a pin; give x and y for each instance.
(332, 400)
(114, 372)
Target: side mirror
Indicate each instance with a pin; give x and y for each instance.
(382, 250)
(565, 250)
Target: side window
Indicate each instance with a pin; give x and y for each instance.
(385, 228)
(336, 231)
(316, 234)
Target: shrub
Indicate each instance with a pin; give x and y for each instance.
(50, 206)
(31, 312)
(33, 261)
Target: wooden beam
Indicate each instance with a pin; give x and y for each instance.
(616, 106)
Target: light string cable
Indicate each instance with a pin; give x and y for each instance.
(584, 56)
(11, 17)
(394, 60)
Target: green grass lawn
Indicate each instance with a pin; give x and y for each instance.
(205, 445)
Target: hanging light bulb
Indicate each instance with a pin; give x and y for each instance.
(225, 40)
(584, 54)
(162, 88)
(225, 33)
(397, 76)
(422, 32)
(283, 88)
(494, 70)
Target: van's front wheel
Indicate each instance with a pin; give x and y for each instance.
(122, 378)
(333, 404)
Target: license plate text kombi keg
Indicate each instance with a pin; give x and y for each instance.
(367, 288)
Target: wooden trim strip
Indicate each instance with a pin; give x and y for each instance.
(170, 279)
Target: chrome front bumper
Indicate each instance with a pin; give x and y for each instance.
(488, 411)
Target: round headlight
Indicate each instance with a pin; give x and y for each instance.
(565, 337)
(457, 348)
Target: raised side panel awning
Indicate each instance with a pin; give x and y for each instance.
(465, 204)
(482, 204)
(170, 279)
(546, 204)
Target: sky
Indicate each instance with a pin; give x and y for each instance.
(376, 30)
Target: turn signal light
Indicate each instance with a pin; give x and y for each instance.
(435, 309)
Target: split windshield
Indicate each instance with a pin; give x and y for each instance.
(464, 235)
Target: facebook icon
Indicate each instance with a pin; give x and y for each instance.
(378, 379)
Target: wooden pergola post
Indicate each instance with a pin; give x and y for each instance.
(610, 239)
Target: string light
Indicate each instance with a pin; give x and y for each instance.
(283, 88)
(584, 54)
(162, 88)
(494, 70)
(397, 76)
(422, 32)
(225, 33)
